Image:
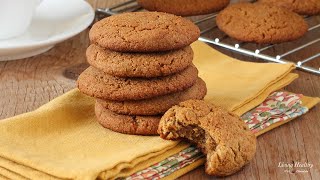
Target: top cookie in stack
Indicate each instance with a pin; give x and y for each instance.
(144, 32)
(141, 65)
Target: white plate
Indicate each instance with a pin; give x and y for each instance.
(54, 21)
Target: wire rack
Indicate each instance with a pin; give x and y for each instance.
(211, 34)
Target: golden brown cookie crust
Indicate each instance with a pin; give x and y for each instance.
(144, 32)
(261, 23)
(303, 7)
(221, 135)
(184, 7)
(136, 125)
(157, 105)
(95, 83)
(139, 64)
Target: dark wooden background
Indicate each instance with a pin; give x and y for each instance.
(29, 83)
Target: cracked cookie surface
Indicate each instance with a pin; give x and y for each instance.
(222, 136)
(144, 32)
(157, 105)
(261, 23)
(303, 7)
(184, 7)
(138, 125)
(139, 64)
(96, 83)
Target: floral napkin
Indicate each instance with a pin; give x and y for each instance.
(169, 165)
(279, 106)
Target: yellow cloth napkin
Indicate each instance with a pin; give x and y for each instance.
(235, 84)
(62, 139)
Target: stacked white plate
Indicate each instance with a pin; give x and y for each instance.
(54, 21)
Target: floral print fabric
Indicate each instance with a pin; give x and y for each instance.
(279, 106)
(169, 165)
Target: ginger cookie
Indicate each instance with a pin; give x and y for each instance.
(139, 64)
(261, 23)
(136, 125)
(222, 136)
(144, 32)
(303, 7)
(157, 105)
(184, 7)
(96, 83)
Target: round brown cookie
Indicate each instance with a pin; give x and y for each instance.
(157, 105)
(144, 32)
(139, 64)
(94, 82)
(303, 7)
(221, 135)
(261, 23)
(184, 7)
(138, 125)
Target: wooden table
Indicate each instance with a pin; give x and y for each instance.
(29, 83)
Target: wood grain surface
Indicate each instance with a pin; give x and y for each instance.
(29, 83)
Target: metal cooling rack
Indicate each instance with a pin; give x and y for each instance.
(250, 49)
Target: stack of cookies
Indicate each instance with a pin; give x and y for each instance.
(141, 65)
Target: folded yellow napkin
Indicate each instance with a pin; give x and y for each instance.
(62, 139)
(235, 84)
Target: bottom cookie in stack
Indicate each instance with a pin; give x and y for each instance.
(127, 124)
(142, 117)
